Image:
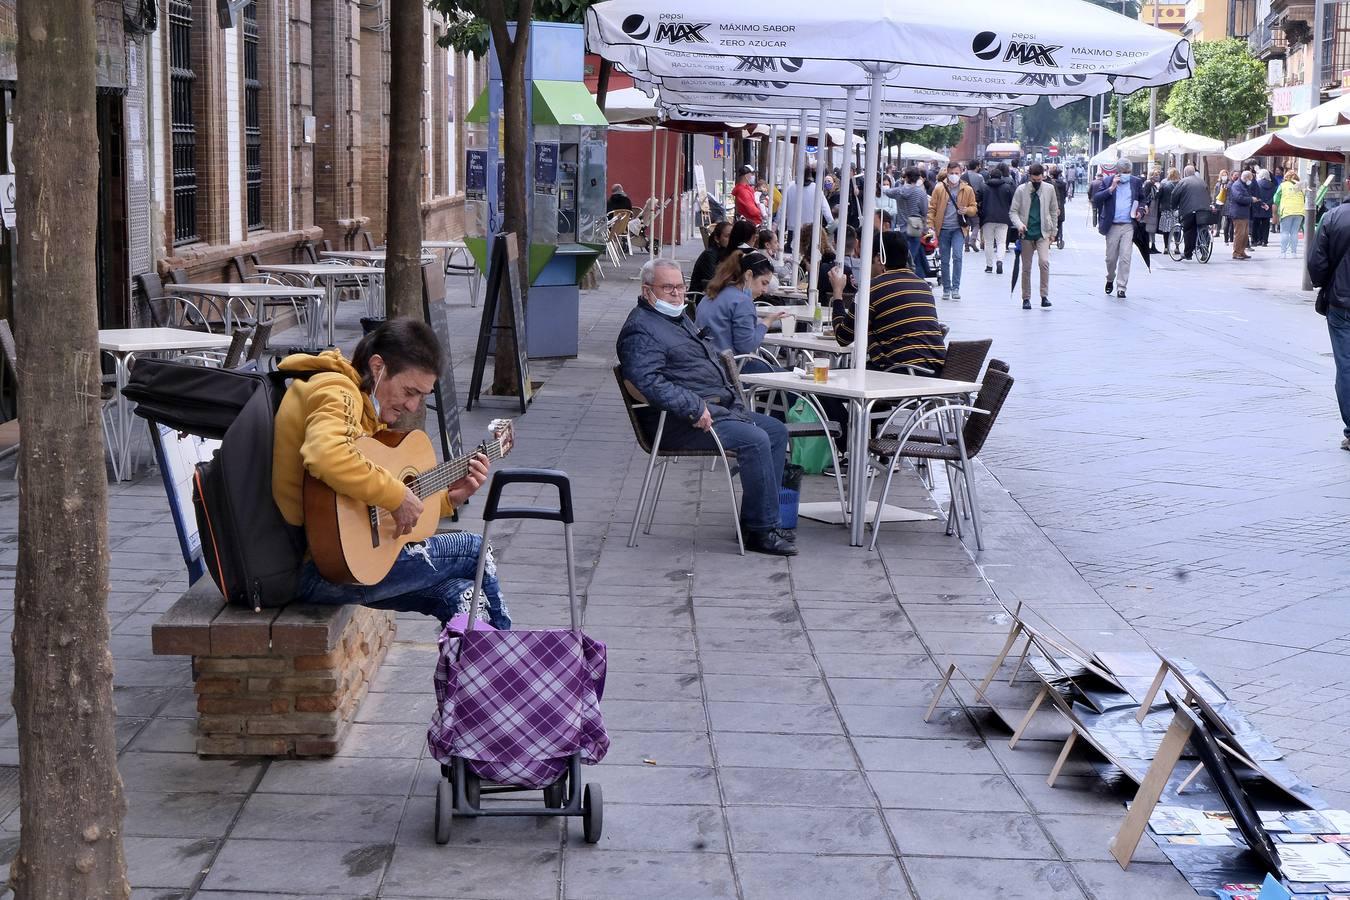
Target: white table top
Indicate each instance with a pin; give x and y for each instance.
(143, 340)
(316, 270)
(806, 340)
(862, 384)
(445, 245)
(376, 255)
(247, 289)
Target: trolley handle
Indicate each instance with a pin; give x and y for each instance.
(493, 509)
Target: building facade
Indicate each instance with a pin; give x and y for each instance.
(261, 137)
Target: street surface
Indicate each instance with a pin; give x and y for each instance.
(1166, 470)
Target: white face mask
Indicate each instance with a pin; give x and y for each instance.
(671, 310)
(953, 178)
(374, 400)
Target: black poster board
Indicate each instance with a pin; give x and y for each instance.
(503, 279)
(545, 166)
(447, 400)
(475, 174)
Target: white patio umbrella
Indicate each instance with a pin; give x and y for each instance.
(920, 153)
(1335, 111)
(631, 105)
(706, 38)
(1328, 144)
(1168, 139)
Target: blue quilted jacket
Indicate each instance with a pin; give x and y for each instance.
(673, 367)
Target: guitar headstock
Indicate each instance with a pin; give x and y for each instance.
(503, 432)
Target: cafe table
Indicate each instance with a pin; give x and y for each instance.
(254, 292)
(862, 389)
(810, 344)
(329, 274)
(123, 345)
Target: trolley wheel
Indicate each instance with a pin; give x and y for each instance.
(555, 795)
(445, 802)
(592, 813)
(473, 785)
(1059, 243)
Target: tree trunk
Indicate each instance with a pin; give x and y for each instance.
(402, 264)
(511, 56)
(71, 809)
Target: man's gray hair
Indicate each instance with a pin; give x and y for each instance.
(650, 266)
(1123, 166)
(1189, 171)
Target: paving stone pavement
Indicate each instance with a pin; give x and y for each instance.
(766, 714)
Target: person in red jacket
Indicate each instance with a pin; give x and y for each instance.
(747, 205)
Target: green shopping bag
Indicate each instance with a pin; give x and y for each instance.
(811, 453)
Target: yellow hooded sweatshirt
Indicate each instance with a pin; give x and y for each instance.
(316, 430)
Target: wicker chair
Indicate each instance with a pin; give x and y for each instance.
(648, 436)
(957, 451)
(964, 359)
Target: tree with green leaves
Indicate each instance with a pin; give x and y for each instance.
(1136, 112)
(1225, 96)
(934, 137)
(1042, 123)
(471, 25)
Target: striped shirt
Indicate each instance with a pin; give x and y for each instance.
(902, 323)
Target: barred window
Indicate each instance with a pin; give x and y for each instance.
(253, 168)
(183, 123)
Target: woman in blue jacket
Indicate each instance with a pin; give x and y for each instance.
(727, 315)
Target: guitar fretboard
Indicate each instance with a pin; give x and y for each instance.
(452, 470)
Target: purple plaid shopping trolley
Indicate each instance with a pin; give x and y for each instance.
(519, 709)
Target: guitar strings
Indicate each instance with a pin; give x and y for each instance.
(460, 466)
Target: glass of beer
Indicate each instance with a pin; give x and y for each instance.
(821, 369)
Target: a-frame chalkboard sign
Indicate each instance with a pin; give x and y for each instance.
(447, 400)
(503, 278)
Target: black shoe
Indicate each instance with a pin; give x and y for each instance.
(769, 542)
(1045, 303)
(1110, 286)
(988, 269)
(787, 534)
(1026, 304)
(1120, 294)
(999, 267)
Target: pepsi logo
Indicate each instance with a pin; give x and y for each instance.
(1179, 57)
(636, 27)
(986, 45)
(1074, 80)
(792, 64)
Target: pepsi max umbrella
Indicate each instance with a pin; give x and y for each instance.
(708, 38)
(1064, 38)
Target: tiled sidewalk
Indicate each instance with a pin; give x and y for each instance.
(766, 714)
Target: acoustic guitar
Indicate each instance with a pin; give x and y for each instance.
(355, 543)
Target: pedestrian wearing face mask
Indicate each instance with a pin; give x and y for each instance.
(952, 201)
(1240, 199)
(1120, 205)
(679, 373)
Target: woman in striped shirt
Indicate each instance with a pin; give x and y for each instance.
(903, 327)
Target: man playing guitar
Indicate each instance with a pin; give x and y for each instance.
(391, 372)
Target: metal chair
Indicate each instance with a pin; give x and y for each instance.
(640, 414)
(459, 264)
(958, 451)
(261, 334)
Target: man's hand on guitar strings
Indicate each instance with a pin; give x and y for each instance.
(467, 486)
(407, 514)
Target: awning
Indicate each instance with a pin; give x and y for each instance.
(553, 103)
(1325, 144)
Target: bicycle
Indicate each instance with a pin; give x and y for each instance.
(1204, 243)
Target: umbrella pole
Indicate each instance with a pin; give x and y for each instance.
(859, 425)
(817, 198)
(784, 179)
(798, 184)
(845, 174)
(651, 226)
(661, 195)
(771, 177)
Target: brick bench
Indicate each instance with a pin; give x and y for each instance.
(282, 682)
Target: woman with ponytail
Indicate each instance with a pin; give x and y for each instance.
(727, 315)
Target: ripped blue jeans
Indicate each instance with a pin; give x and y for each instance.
(434, 577)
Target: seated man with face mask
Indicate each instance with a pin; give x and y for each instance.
(679, 372)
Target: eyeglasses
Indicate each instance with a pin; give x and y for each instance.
(670, 290)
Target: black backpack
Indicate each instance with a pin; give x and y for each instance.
(252, 553)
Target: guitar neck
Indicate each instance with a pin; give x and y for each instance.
(447, 473)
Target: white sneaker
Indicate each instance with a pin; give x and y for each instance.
(946, 295)
(956, 295)
(1345, 444)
